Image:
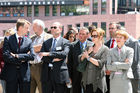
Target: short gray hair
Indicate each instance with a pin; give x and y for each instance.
(39, 23)
(85, 29)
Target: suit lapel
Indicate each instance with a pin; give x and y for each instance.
(59, 42)
(116, 52)
(15, 42)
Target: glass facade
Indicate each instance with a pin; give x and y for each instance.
(29, 11)
(103, 7)
(47, 10)
(12, 11)
(95, 24)
(103, 26)
(86, 24)
(71, 10)
(36, 10)
(95, 6)
(54, 10)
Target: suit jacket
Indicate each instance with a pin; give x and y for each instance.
(108, 43)
(60, 69)
(25, 54)
(75, 51)
(46, 36)
(116, 62)
(136, 59)
(95, 75)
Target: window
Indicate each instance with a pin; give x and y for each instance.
(47, 11)
(103, 26)
(113, 6)
(86, 24)
(36, 11)
(69, 26)
(129, 2)
(95, 6)
(17, 11)
(78, 26)
(122, 24)
(54, 10)
(103, 7)
(29, 11)
(71, 10)
(95, 24)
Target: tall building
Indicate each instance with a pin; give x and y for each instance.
(74, 13)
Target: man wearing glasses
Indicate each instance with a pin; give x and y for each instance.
(54, 69)
(111, 43)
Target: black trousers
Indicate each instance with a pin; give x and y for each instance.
(89, 89)
(108, 83)
(52, 87)
(18, 84)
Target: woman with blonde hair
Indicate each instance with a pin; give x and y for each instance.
(119, 62)
(96, 56)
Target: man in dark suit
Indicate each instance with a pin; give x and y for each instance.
(111, 43)
(76, 49)
(17, 51)
(54, 69)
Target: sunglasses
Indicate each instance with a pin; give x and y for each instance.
(94, 36)
(111, 28)
(53, 27)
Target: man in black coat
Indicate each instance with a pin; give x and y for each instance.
(76, 49)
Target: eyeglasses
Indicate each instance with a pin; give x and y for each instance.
(53, 27)
(94, 36)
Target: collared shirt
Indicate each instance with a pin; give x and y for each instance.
(115, 43)
(17, 36)
(84, 44)
(56, 40)
(39, 39)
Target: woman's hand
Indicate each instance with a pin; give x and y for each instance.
(90, 50)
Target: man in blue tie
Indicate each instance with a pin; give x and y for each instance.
(54, 69)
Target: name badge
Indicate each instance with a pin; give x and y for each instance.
(58, 48)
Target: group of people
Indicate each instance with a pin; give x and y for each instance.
(79, 62)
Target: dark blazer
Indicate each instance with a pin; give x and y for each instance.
(25, 54)
(136, 59)
(108, 43)
(75, 51)
(59, 68)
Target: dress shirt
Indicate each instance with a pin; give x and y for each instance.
(115, 43)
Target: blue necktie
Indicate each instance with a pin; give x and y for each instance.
(54, 44)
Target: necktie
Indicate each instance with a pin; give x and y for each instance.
(112, 45)
(82, 47)
(19, 41)
(54, 44)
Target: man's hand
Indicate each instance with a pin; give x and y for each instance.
(14, 55)
(37, 48)
(56, 59)
(41, 54)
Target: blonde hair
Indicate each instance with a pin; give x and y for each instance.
(9, 32)
(122, 33)
(100, 32)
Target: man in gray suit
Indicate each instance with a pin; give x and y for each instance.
(37, 39)
(131, 42)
